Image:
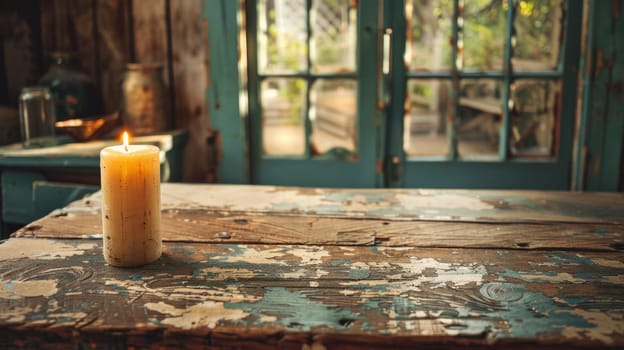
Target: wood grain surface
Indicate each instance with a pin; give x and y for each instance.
(195, 225)
(260, 274)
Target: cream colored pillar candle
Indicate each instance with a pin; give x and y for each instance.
(131, 204)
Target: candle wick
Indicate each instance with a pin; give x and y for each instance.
(126, 148)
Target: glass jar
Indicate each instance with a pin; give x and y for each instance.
(144, 103)
(37, 117)
(75, 94)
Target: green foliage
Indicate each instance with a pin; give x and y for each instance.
(288, 57)
(484, 30)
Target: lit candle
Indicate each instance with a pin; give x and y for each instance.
(131, 204)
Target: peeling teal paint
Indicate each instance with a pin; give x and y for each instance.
(519, 275)
(37, 317)
(178, 249)
(601, 232)
(589, 276)
(190, 250)
(294, 310)
(135, 277)
(573, 300)
(236, 250)
(366, 286)
(564, 258)
(65, 319)
(243, 251)
(359, 274)
(370, 304)
(120, 290)
(340, 262)
(529, 314)
(533, 315)
(367, 326)
(371, 197)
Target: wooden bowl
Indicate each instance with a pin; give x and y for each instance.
(89, 128)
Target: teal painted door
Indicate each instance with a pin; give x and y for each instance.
(313, 116)
(401, 93)
(483, 93)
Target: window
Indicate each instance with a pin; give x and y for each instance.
(416, 93)
(311, 113)
(493, 106)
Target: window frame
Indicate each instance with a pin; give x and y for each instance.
(386, 163)
(327, 170)
(504, 172)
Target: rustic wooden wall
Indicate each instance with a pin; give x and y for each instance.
(107, 34)
(20, 48)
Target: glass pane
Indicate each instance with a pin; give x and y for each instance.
(533, 117)
(282, 36)
(479, 118)
(538, 28)
(484, 35)
(283, 116)
(333, 40)
(427, 108)
(333, 114)
(429, 32)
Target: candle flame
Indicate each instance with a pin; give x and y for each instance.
(125, 140)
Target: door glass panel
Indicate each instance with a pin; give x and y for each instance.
(533, 117)
(282, 36)
(483, 42)
(283, 116)
(426, 111)
(429, 32)
(538, 32)
(479, 121)
(333, 115)
(333, 40)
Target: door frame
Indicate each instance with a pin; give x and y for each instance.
(548, 173)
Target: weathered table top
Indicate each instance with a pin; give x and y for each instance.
(264, 267)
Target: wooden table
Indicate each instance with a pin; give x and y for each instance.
(265, 267)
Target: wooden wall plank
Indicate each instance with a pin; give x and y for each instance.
(113, 35)
(107, 34)
(78, 35)
(20, 48)
(150, 33)
(189, 72)
(70, 26)
(605, 125)
(614, 134)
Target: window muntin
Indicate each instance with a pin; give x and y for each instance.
(499, 53)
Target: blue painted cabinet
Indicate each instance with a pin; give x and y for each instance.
(36, 181)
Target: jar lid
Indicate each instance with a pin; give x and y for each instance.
(35, 90)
